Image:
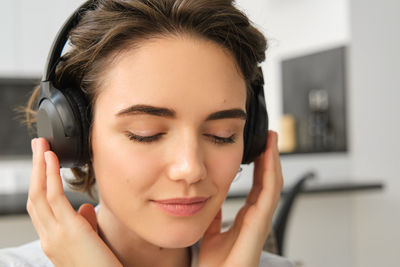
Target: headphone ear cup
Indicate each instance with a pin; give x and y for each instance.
(81, 109)
(62, 119)
(247, 133)
(256, 127)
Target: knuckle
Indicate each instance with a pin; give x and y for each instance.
(46, 247)
(28, 205)
(280, 183)
(280, 187)
(33, 196)
(53, 197)
(50, 241)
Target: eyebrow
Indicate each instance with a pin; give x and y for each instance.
(169, 113)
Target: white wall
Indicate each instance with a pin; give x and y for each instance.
(27, 30)
(375, 128)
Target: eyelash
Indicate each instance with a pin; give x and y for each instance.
(149, 139)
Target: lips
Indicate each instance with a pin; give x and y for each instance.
(182, 200)
(181, 206)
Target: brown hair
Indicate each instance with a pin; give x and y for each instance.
(115, 25)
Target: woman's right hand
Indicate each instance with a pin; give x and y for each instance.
(67, 237)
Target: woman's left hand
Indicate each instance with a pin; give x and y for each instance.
(242, 244)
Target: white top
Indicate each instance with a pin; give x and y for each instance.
(32, 255)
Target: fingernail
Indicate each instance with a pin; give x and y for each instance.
(46, 156)
(33, 145)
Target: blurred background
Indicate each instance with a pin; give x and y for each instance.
(332, 86)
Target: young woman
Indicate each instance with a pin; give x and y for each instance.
(168, 84)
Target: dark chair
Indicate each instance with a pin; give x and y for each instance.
(283, 213)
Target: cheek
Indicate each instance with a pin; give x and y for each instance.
(223, 176)
(121, 171)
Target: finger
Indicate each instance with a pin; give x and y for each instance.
(265, 192)
(254, 220)
(215, 226)
(273, 167)
(257, 180)
(250, 240)
(272, 181)
(88, 212)
(237, 224)
(261, 162)
(34, 218)
(38, 187)
(59, 203)
(259, 167)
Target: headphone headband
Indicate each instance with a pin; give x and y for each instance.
(61, 39)
(64, 113)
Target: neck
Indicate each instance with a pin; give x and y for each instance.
(132, 250)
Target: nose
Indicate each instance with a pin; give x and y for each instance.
(187, 162)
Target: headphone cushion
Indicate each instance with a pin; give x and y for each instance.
(81, 109)
(256, 127)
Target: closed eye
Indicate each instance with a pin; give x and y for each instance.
(222, 140)
(144, 139)
(153, 138)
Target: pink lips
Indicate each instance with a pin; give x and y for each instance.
(181, 206)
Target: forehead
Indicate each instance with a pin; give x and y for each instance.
(182, 73)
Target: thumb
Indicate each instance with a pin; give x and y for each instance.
(88, 212)
(215, 226)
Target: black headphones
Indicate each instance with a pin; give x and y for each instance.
(64, 114)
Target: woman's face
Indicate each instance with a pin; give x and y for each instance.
(186, 99)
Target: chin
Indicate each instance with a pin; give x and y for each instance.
(179, 237)
(172, 244)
